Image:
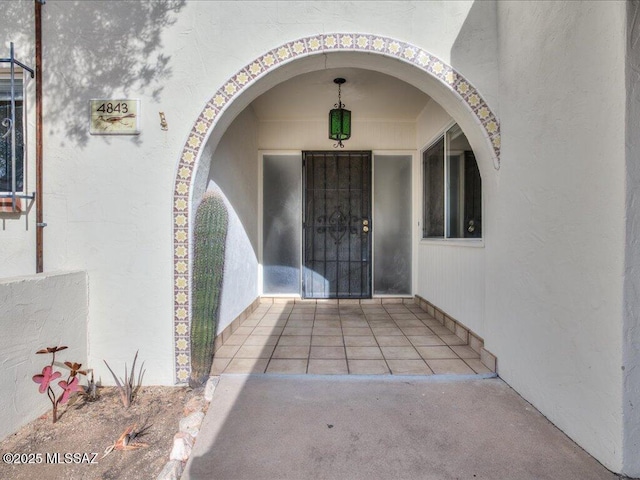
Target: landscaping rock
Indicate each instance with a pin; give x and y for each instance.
(210, 387)
(171, 471)
(191, 424)
(182, 445)
(196, 404)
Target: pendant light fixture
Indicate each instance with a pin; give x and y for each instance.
(339, 119)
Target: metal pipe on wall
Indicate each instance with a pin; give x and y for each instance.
(39, 212)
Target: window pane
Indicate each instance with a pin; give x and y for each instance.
(5, 142)
(455, 195)
(433, 209)
(392, 228)
(472, 197)
(464, 190)
(282, 223)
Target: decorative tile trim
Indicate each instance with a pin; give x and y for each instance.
(448, 77)
(472, 339)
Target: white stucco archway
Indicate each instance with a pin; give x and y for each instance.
(404, 61)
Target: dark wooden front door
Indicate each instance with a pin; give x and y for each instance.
(337, 224)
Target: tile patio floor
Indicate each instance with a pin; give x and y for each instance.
(344, 338)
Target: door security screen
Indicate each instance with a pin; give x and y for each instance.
(337, 224)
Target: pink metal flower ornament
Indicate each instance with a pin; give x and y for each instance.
(46, 377)
(69, 388)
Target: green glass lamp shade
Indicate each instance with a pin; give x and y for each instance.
(339, 124)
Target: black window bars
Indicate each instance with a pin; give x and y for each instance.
(10, 124)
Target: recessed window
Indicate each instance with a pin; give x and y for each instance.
(452, 195)
(6, 144)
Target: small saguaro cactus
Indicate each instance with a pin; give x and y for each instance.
(211, 225)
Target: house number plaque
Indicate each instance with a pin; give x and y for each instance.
(114, 117)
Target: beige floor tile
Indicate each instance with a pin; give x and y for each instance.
(295, 340)
(287, 366)
(253, 351)
(368, 367)
(364, 353)
(302, 316)
(219, 364)
(328, 367)
(400, 353)
(250, 322)
(403, 316)
(244, 330)
(334, 323)
(409, 367)
(272, 322)
(327, 341)
(227, 351)
(247, 365)
(464, 351)
(378, 316)
(360, 341)
(327, 352)
(383, 331)
(396, 308)
(425, 340)
(236, 339)
(373, 310)
(327, 330)
(354, 324)
(432, 324)
(441, 330)
(477, 365)
(452, 340)
(356, 331)
(261, 340)
(297, 331)
(303, 309)
(436, 352)
(393, 341)
(275, 317)
(267, 330)
(291, 351)
(409, 323)
(279, 310)
(416, 331)
(300, 323)
(441, 367)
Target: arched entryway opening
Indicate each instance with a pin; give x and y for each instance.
(408, 63)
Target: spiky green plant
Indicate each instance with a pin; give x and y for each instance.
(128, 386)
(212, 221)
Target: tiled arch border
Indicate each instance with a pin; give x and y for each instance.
(232, 88)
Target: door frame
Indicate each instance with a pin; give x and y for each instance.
(416, 237)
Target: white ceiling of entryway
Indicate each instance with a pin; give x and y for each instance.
(369, 95)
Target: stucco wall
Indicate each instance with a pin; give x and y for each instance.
(234, 171)
(631, 328)
(36, 312)
(555, 252)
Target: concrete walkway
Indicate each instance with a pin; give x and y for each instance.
(317, 427)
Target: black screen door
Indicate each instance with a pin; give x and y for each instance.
(337, 225)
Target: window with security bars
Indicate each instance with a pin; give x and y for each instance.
(452, 188)
(6, 143)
